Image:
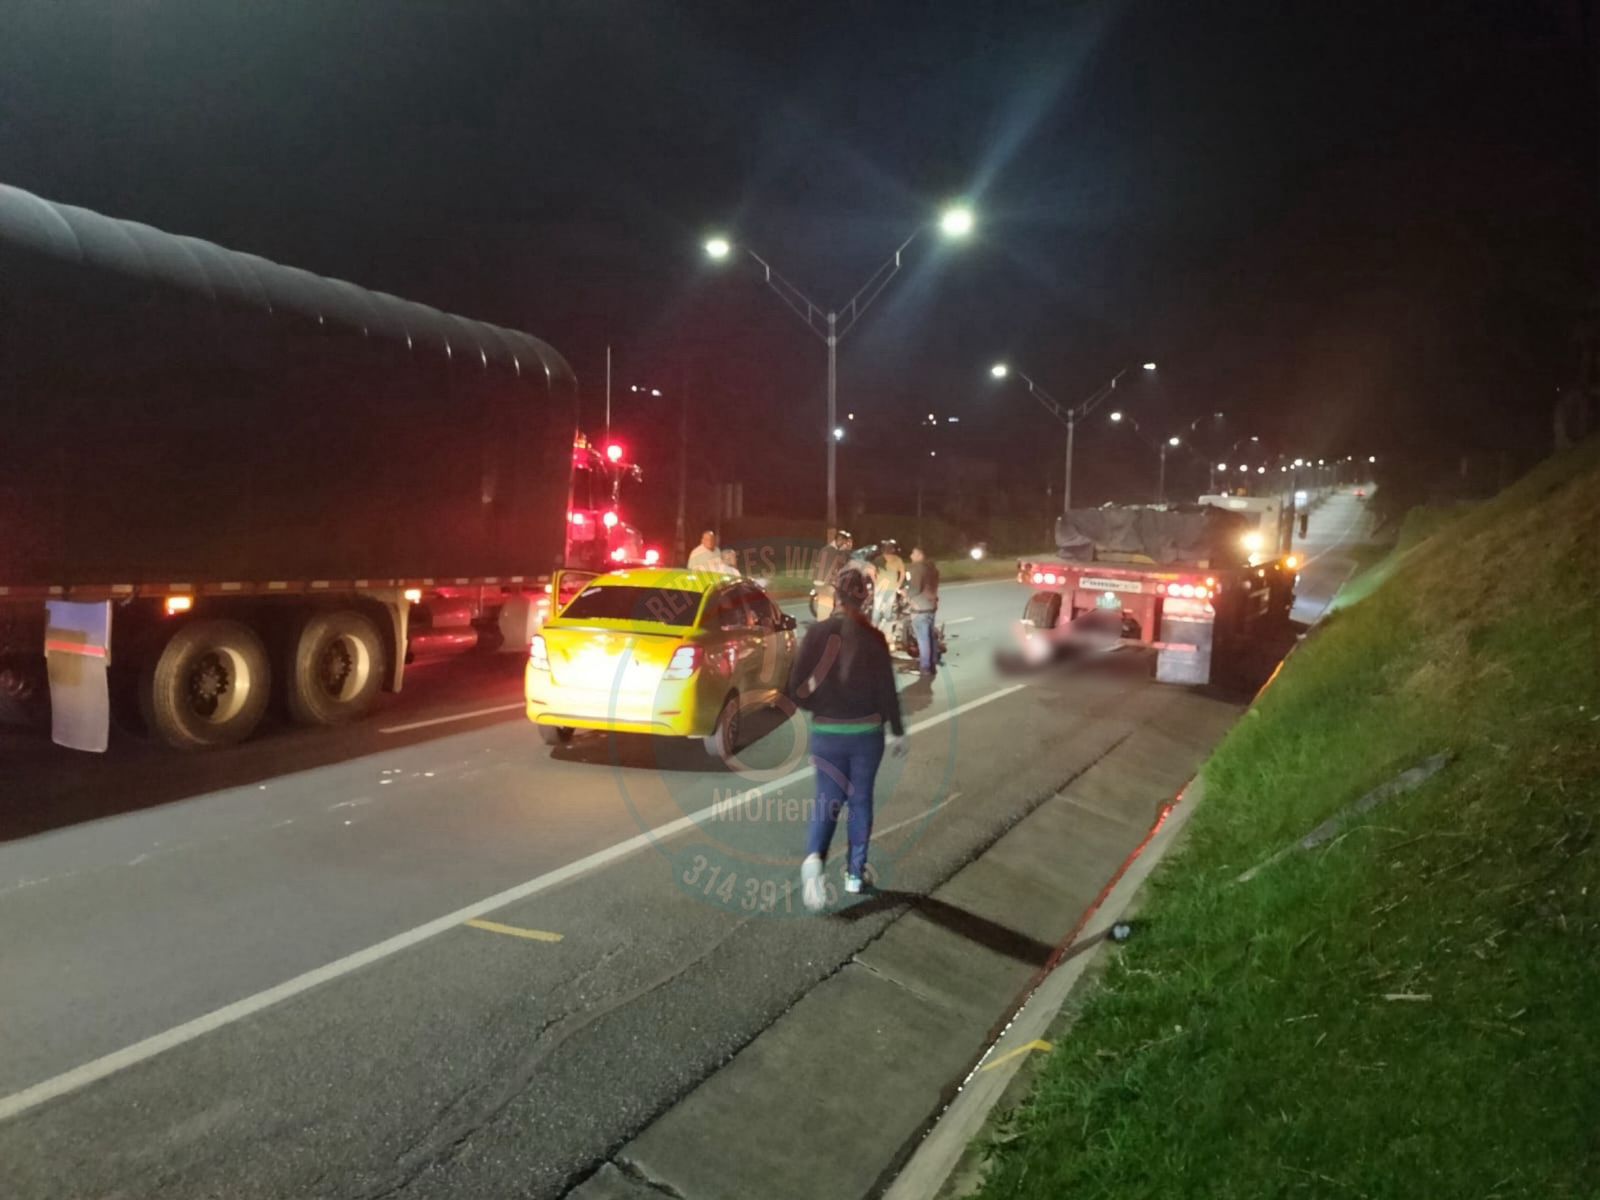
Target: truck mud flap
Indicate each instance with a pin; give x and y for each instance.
(77, 649)
(1184, 654)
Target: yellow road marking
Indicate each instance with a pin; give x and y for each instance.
(533, 935)
(1038, 1044)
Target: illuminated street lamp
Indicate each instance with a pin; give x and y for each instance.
(1067, 416)
(955, 223)
(838, 433)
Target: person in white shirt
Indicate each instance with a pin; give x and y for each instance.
(706, 556)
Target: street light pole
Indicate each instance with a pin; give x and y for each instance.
(1067, 416)
(1066, 485)
(833, 420)
(832, 325)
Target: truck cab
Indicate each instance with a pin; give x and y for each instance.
(1270, 520)
(599, 536)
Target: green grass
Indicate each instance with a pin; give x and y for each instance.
(1243, 1045)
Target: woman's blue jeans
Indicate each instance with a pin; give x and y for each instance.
(847, 764)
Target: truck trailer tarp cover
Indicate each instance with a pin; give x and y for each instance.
(174, 411)
(1194, 534)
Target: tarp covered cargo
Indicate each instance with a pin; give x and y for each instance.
(1198, 535)
(171, 411)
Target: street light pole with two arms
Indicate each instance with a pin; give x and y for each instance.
(831, 325)
(1068, 416)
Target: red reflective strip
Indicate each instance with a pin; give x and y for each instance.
(52, 646)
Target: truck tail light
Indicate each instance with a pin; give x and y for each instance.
(609, 520)
(685, 662)
(652, 557)
(1038, 576)
(178, 604)
(413, 595)
(619, 554)
(538, 656)
(577, 518)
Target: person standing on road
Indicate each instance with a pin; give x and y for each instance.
(706, 556)
(843, 678)
(922, 597)
(890, 578)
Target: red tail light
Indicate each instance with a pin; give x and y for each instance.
(652, 557)
(619, 554)
(577, 518)
(610, 520)
(685, 662)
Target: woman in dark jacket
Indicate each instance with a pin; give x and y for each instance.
(843, 677)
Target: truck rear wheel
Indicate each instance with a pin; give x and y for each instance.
(1044, 610)
(208, 686)
(335, 668)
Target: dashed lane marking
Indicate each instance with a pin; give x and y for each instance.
(466, 716)
(109, 1064)
(533, 935)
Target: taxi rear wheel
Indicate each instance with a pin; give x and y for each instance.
(555, 735)
(723, 740)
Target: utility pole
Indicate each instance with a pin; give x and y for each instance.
(680, 545)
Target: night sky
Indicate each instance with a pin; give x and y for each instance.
(1351, 229)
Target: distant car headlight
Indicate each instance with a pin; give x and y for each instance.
(977, 553)
(1252, 541)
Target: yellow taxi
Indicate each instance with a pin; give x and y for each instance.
(656, 650)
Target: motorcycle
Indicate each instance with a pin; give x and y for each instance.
(896, 629)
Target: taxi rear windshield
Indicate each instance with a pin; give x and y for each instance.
(660, 606)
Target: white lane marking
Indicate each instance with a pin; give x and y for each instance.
(466, 716)
(109, 1064)
(958, 620)
(921, 816)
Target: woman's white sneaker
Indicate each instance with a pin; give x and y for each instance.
(813, 891)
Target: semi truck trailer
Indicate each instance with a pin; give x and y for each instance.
(1202, 585)
(227, 484)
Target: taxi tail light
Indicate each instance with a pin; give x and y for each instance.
(538, 656)
(685, 662)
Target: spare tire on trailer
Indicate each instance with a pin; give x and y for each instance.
(208, 686)
(336, 667)
(1044, 610)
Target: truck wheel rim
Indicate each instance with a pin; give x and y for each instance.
(219, 685)
(343, 667)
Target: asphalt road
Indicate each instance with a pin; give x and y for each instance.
(252, 973)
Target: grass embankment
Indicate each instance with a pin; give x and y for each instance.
(1414, 1009)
